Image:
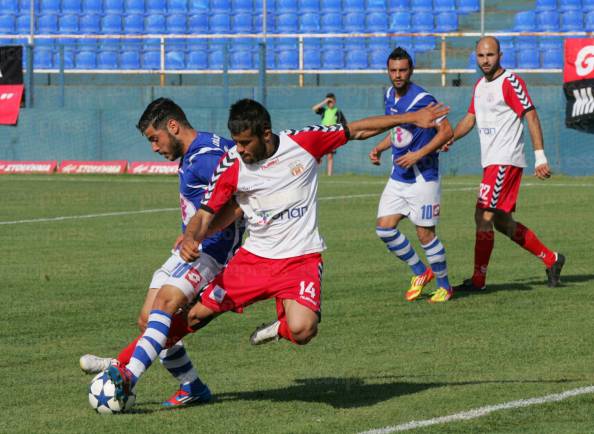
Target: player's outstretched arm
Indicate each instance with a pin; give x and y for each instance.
(372, 126)
(196, 231)
(376, 153)
(227, 215)
(464, 126)
(444, 135)
(541, 166)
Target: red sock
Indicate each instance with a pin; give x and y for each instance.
(126, 354)
(285, 332)
(529, 241)
(483, 246)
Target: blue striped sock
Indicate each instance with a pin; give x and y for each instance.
(178, 363)
(398, 244)
(435, 253)
(150, 344)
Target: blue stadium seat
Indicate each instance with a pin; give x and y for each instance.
(353, 6)
(376, 22)
(25, 5)
(68, 24)
(50, 6)
(570, 5)
(446, 22)
(526, 43)
(219, 6)
(588, 22)
(286, 23)
(398, 6)
(331, 22)
(108, 59)
(378, 58)
(545, 5)
(71, 6)
(311, 58)
(134, 7)
(130, 59)
(155, 6)
(421, 5)
(336, 44)
(150, 59)
(84, 44)
(468, 6)
(444, 5)
(356, 59)
(197, 59)
(354, 22)
(286, 6)
(175, 59)
(243, 22)
(309, 6)
(216, 57)
(177, 6)
(379, 43)
(287, 59)
(111, 24)
(85, 60)
(154, 24)
(242, 6)
(527, 59)
(92, 7)
(133, 24)
(550, 43)
(405, 42)
(354, 44)
(198, 6)
(422, 22)
(332, 59)
(525, 21)
(110, 45)
(198, 23)
(47, 24)
(219, 23)
(552, 59)
(423, 43)
(330, 6)
(309, 22)
(400, 22)
(508, 60)
(376, 6)
(548, 21)
(43, 58)
(176, 24)
(588, 5)
(113, 7)
(23, 24)
(572, 21)
(472, 61)
(7, 24)
(241, 59)
(9, 6)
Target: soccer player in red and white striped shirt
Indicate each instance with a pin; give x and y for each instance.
(500, 102)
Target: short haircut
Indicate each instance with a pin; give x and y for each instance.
(158, 112)
(400, 53)
(247, 114)
(331, 95)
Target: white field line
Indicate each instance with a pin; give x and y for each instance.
(155, 210)
(482, 411)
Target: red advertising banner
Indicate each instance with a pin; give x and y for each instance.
(153, 168)
(579, 59)
(10, 103)
(104, 167)
(27, 167)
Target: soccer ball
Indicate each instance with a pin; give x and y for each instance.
(102, 396)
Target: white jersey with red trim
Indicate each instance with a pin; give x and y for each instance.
(499, 107)
(278, 195)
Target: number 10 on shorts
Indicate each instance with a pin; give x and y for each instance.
(429, 211)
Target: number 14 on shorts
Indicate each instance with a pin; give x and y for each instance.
(429, 211)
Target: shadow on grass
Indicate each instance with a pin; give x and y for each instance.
(528, 285)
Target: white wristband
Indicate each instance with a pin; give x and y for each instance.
(539, 157)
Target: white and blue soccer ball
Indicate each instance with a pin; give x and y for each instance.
(102, 396)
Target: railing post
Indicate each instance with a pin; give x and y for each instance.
(162, 59)
(301, 61)
(443, 60)
(262, 73)
(29, 93)
(61, 75)
(226, 74)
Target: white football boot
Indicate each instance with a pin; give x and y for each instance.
(91, 364)
(265, 333)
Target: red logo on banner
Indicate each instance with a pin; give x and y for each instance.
(579, 59)
(105, 167)
(27, 166)
(10, 103)
(153, 168)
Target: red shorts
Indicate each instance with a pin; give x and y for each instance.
(248, 278)
(499, 187)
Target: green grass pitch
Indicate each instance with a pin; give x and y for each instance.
(75, 286)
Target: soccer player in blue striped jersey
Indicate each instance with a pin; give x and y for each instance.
(413, 190)
(166, 127)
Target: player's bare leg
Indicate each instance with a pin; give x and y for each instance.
(299, 324)
(330, 164)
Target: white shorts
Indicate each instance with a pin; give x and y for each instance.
(189, 277)
(419, 201)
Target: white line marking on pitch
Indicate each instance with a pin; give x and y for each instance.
(482, 411)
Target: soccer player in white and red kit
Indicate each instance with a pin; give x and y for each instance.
(500, 102)
(273, 179)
